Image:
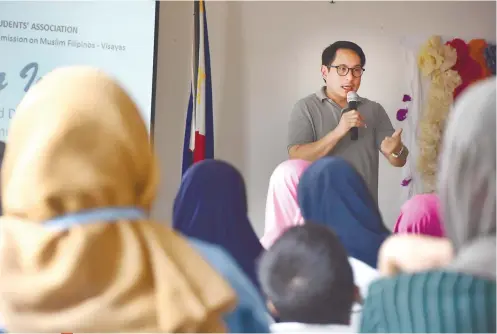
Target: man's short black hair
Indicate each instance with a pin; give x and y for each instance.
(330, 53)
(306, 275)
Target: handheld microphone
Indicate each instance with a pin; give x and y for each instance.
(353, 101)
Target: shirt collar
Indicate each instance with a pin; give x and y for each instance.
(321, 94)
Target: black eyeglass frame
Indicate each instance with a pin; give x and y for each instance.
(348, 70)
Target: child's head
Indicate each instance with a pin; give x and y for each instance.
(307, 277)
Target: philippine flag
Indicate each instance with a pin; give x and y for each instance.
(199, 130)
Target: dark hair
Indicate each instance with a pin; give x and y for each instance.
(307, 276)
(330, 53)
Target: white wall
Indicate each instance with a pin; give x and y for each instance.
(266, 55)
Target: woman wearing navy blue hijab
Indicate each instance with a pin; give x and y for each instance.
(333, 193)
(211, 205)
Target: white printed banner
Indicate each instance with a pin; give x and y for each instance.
(36, 37)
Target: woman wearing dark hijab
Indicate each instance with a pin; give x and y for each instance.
(333, 193)
(211, 205)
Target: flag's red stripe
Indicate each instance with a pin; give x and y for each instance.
(199, 152)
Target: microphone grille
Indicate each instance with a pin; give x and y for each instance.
(352, 96)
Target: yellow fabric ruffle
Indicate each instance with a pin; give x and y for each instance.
(435, 61)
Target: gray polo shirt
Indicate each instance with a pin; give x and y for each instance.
(315, 115)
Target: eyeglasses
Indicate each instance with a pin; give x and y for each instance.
(343, 70)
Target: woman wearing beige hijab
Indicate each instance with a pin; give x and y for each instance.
(78, 251)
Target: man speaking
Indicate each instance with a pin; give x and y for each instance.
(325, 123)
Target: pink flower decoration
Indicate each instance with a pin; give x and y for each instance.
(406, 181)
(406, 98)
(402, 114)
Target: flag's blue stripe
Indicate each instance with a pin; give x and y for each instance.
(187, 154)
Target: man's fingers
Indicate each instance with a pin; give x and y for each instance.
(397, 133)
(388, 140)
(356, 123)
(353, 113)
(355, 117)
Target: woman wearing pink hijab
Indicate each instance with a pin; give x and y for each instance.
(282, 208)
(420, 215)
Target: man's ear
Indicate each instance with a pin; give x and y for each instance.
(324, 72)
(357, 295)
(271, 308)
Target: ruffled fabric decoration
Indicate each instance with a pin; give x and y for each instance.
(467, 68)
(435, 61)
(489, 54)
(477, 52)
(451, 68)
(434, 56)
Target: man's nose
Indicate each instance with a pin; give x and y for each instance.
(349, 76)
